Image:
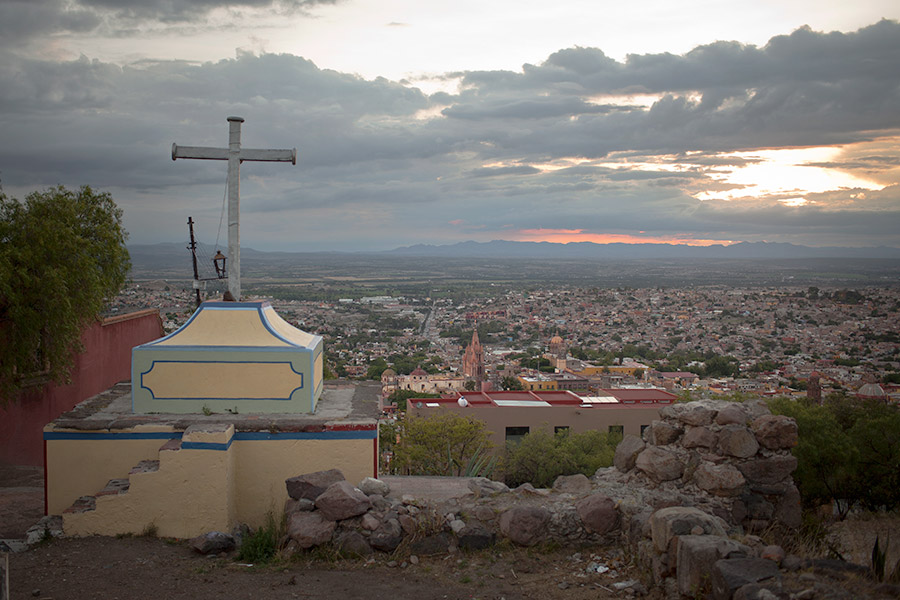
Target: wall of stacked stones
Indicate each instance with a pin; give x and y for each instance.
(705, 475)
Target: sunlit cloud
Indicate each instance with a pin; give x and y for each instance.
(565, 236)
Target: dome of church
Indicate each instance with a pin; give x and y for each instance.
(419, 372)
(556, 340)
(388, 374)
(871, 390)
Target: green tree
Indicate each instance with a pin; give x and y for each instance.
(440, 445)
(541, 457)
(62, 255)
(510, 382)
(401, 396)
(376, 368)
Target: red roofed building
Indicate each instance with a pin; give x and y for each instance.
(510, 415)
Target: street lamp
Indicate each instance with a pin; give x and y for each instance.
(219, 264)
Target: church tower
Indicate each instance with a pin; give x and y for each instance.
(473, 359)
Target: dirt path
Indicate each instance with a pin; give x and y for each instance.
(21, 499)
(140, 567)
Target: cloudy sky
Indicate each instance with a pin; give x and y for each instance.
(700, 121)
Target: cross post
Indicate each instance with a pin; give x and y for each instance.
(235, 156)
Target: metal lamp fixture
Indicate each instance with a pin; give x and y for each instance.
(219, 263)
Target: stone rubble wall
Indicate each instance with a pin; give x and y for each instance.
(705, 475)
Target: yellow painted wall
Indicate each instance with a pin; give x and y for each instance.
(195, 490)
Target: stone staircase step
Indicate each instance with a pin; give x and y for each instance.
(115, 487)
(174, 444)
(83, 504)
(145, 466)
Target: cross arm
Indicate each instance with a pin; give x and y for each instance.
(269, 155)
(201, 152)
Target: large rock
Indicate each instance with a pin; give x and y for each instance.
(666, 523)
(341, 501)
(371, 486)
(475, 536)
(213, 542)
(730, 574)
(789, 512)
(572, 484)
(694, 413)
(659, 464)
(700, 437)
(352, 543)
(770, 470)
(483, 487)
(737, 441)
(310, 529)
(311, 485)
(525, 525)
(733, 414)
(720, 480)
(598, 513)
(627, 452)
(696, 555)
(430, 545)
(663, 433)
(775, 432)
(388, 536)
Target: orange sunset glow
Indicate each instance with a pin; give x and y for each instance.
(564, 236)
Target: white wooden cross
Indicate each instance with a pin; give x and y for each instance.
(235, 156)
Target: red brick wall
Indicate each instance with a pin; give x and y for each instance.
(106, 360)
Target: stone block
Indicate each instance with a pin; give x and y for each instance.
(475, 536)
(659, 464)
(737, 441)
(525, 525)
(733, 414)
(696, 555)
(700, 437)
(769, 470)
(483, 487)
(719, 480)
(310, 529)
(731, 574)
(598, 513)
(667, 523)
(788, 511)
(371, 486)
(627, 452)
(341, 501)
(352, 543)
(388, 536)
(213, 542)
(311, 485)
(663, 433)
(775, 432)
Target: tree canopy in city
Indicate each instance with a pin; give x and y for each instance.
(62, 254)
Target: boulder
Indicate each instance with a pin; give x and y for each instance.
(719, 480)
(572, 484)
(371, 486)
(388, 536)
(341, 501)
(695, 413)
(770, 470)
(659, 464)
(483, 487)
(598, 513)
(733, 414)
(352, 543)
(525, 525)
(304, 504)
(666, 523)
(696, 555)
(627, 452)
(475, 536)
(700, 437)
(431, 545)
(731, 574)
(310, 529)
(788, 512)
(775, 432)
(311, 485)
(213, 542)
(663, 433)
(737, 441)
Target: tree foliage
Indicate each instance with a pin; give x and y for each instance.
(62, 255)
(443, 444)
(541, 457)
(847, 450)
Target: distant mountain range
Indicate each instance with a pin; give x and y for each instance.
(176, 253)
(590, 250)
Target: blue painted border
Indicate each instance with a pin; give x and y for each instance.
(212, 362)
(241, 436)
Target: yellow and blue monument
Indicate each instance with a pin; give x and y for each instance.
(236, 356)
